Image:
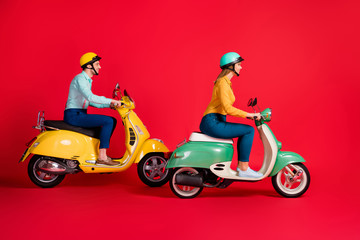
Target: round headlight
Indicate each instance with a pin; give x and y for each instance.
(267, 114)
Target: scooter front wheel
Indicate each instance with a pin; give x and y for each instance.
(42, 179)
(183, 191)
(292, 181)
(151, 170)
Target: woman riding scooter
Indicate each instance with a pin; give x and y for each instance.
(214, 122)
(81, 96)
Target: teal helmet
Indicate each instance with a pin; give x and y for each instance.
(229, 59)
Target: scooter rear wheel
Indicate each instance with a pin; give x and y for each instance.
(151, 170)
(40, 178)
(184, 191)
(286, 186)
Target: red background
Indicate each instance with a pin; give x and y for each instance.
(301, 59)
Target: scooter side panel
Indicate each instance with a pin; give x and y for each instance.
(200, 154)
(138, 136)
(29, 150)
(150, 145)
(283, 159)
(65, 144)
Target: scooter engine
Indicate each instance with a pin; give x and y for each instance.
(210, 179)
(71, 163)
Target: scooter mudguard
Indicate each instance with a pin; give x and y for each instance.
(64, 144)
(283, 159)
(200, 154)
(150, 145)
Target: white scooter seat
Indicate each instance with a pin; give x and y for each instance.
(201, 137)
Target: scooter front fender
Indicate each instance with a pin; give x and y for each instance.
(283, 159)
(149, 146)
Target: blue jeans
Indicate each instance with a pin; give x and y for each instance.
(80, 118)
(215, 125)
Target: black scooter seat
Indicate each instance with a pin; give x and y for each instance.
(61, 125)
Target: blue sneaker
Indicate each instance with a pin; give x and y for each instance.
(249, 173)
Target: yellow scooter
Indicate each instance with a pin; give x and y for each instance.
(62, 149)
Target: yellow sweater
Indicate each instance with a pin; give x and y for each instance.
(222, 100)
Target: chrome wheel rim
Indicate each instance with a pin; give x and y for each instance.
(288, 186)
(42, 176)
(154, 169)
(186, 191)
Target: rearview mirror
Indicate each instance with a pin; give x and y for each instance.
(252, 103)
(117, 92)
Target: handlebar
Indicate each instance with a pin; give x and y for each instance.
(255, 117)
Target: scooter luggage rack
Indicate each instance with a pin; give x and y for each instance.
(40, 122)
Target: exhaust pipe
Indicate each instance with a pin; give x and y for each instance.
(189, 180)
(54, 167)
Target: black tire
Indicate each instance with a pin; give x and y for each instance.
(280, 182)
(151, 170)
(184, 191)
(42, 179)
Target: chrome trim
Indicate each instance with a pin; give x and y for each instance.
(181, 143)
(136, 141)
(51, 127)
(159, 140)
(40, 121)
(139, 129)
(103, 166)
(91, 161)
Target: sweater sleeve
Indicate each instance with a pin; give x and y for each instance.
(224, 95)
(99, 105)
(94, 100)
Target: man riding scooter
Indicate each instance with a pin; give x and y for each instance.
(81, 96)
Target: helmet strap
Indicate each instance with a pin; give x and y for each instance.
(92, 67)
(233, 69)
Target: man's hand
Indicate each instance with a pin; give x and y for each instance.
(115, 104)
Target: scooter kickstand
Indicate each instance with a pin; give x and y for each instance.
(226, 183)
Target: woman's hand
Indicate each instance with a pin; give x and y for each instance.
(253, 115)
(115, 104)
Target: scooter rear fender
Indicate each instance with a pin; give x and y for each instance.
(64, 144)
(283, 159)
(149, 146)
(200, 154)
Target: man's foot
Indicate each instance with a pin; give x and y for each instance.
(108, 161)
(249, 173)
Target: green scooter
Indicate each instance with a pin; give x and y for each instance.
(204, 161)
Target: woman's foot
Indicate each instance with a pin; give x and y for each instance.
(249, 173)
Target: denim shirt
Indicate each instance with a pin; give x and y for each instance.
(80, 95)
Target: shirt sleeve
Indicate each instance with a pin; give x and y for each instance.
(99, 105)
(94, 100)
(224, 95)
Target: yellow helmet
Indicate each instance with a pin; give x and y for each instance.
(88, 58)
